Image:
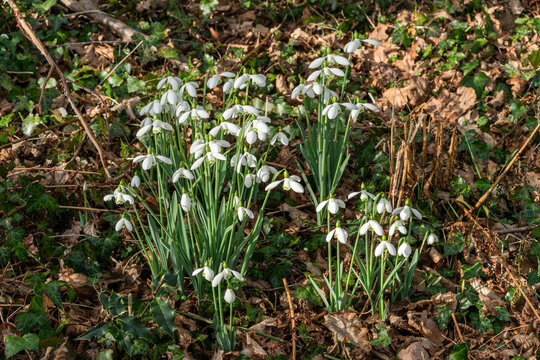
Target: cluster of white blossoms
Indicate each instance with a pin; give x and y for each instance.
(382, 207)
(216, 280)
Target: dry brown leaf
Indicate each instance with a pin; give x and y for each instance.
(415, 351)
(413, 94)
(281, 84)
(379, 33)
(449, 106)
(347, 327)
(252, 349)
(74, 279)
(426, 326)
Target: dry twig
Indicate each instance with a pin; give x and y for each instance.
(291, 309)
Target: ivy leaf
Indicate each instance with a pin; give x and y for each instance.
(15, 344)
(97, 331)
(163, 314)
(30, 123)
(112, 304)
(477, 82)
(534, 59)
(460, 352)
(471, 271)
(133, 326)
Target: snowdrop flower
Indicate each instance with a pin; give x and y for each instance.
(257, 129)
(373, 225)
(337, 233)
(182, 173)
(150, 160)
(289, 182)
(406, 211)
(119, 195)
(333, 205)
(242, 81)
(385, 245)
(174, 81)
(123, 222)
(432, 239)
(198, 147)
(156, 126)
(250, 179)
(153, 108)
(330, 59)
(182, 107)
(170, 96)
(404, 250)
(197, 113)
(364, 195)
(333, 109)
(227, 127)
(282, 137)
(244, 159)
(263, 174)
(207, 273)
(312, 90)
(210, 156)
(190, 87)
(229, 296)
(236, 110)
(215, 79)
(226, 274)
(352, 46)
(356, 108)
(242, 211)
(384, 205)
(326, 72)
(227, 87)
(399, 226)
(186, 203)
(135, 181)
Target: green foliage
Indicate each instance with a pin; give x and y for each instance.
(460, 352)
(383, 339)
(15, 344)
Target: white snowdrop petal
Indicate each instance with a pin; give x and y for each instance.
(316, 63)
(372, 42)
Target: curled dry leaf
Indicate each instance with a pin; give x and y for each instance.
(74, 279)
(252, 349)
(449, 106)
(347, 327)
(426, 326)
(415, 351)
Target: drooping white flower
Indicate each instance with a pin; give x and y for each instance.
(327, 71)
(282, 137)
(150, 160)
(264, 173)
(215, 146)
(227, 127)
(330, 60)
(229, 296)
(182, 107)
(156, 126)
(123, 222)
(405, 212)
(364, 195)
(170, 96)
(432, 239)
(182, 173)
(404, 250)
(242, 81)
(197, 113)
(174, 81)
(257, 129)
(384, 205)
(210, 156)
(135, 181)
(313, 90)
(398, 225)
(250, 179)
(120, 196)
(373, 225)
(227, 87)
(190, 87)
(338, 233)
(153, 108)
(242, 211)
(215, 80)
(352, 46)
(236, 110)
(243, 160)
(289, 182)
(207, 273)
(385, 245)
(186, 203)
(333, 205)
(226, 274)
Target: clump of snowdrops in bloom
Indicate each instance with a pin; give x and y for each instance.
(206, 170)
(383, 262)
(325, 141)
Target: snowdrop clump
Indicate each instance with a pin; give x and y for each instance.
(325, 141)
(205, 167)
(383, 261)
